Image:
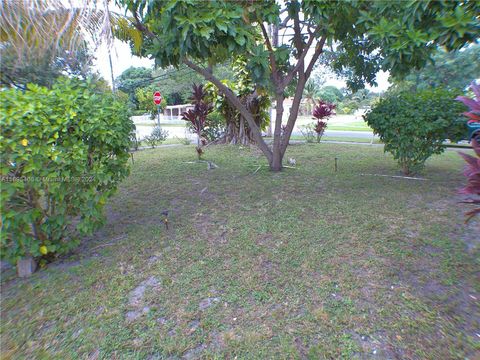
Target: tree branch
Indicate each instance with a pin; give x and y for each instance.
(297, 99)
(271, 53)
(300, 61)
(235, 102)
(302, 79)
(297, 37)
(284, 22)
(316, 54)
(141, 27)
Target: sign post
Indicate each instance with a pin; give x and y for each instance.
(157, 99)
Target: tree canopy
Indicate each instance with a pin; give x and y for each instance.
(453, 70)
(367, 36)
(132, 78)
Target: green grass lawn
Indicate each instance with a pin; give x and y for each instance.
(304, 264)
(169, 141)
(340, 122)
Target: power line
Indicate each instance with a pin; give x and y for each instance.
(163, 76)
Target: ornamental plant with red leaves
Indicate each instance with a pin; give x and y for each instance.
(474, 104)
(472, 170)
(321, 113)
(198, 115)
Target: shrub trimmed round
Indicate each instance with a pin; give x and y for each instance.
(414, 125)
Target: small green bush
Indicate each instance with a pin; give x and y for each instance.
(157, 136)
(214, 126)
(64, 151)
(413, 126)
(308, 132)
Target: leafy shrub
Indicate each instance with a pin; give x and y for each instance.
(413, 126)
(64, 151)
(330, 94)
(323, 110)
(214, 127)
(157, 136)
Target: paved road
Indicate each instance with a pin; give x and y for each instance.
(181, 133)
(347, 134)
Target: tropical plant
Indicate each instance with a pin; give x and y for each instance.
(319, 128)
(413, 126)
(311, 93)
(369, 36)
(37, 33)
(64, 151)
(256, 100)
(473, 114)
(198, 115)
(321, 113)
(472, 170)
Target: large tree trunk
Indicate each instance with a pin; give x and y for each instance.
(237, 130)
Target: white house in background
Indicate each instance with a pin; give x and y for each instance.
(174, 112)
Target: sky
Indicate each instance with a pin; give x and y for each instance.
(122, 59)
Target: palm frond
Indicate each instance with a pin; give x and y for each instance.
(33, 28)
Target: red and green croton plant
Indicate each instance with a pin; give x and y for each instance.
(198, 115)
(472, 170)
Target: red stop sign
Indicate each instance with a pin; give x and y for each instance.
(157, 97)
